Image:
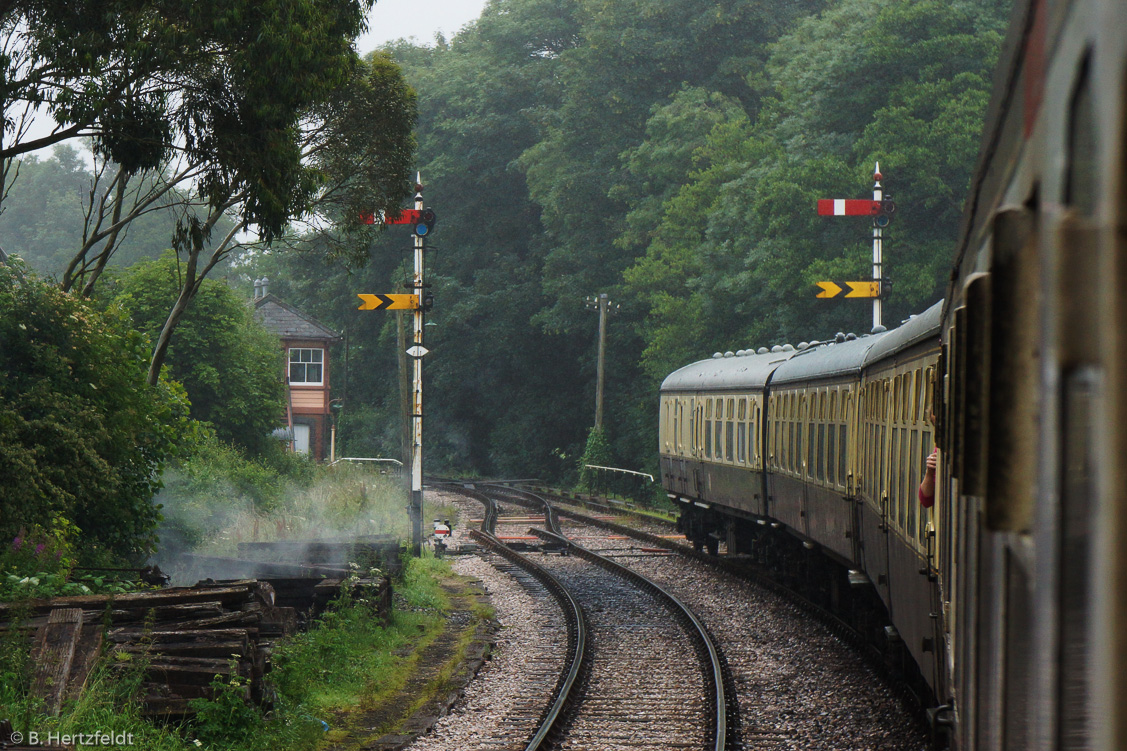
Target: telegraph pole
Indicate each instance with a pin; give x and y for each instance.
(601, 303)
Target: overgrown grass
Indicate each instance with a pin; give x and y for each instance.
(350, 660)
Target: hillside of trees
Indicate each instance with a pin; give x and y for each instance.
(669, 154)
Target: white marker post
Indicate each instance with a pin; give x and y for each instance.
(415, 510)
(878, 196)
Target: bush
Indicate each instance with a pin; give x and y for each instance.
(83, 437)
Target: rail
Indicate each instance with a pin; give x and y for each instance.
(712, 664)
(564, 693)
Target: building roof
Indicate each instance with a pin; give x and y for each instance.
(287, 322)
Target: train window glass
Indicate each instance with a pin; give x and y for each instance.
(908, 396)
(895, 478)
(708, 428)
(925, 451)
(729, 441)
(825, 454)
(841, 468)
(896, 399)
(810, 449)
(917, 392)
(776, 458)
(904, 459)
(878, 462)
(790, 446)
(717, 439)
(913, 481)
(741, 442)
(1082, 166)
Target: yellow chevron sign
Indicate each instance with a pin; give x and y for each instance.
(851, 289)
(388, 302)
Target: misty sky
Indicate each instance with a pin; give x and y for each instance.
(421, 19)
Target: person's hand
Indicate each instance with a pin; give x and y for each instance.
(932, 461)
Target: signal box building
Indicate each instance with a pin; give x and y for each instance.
(305, 341)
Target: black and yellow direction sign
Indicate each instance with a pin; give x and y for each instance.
(851, 289)
(388, 302)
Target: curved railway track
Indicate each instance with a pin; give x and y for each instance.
(803, 678)
(642, 671)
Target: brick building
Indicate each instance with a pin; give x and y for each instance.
(305, 340)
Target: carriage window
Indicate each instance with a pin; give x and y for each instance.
(708, 429)
(790, 446)
(925, 451)
(821, 452)
(904, 459)
(894, 477)
(1082, 165)
(917, 391)
(729, 440)
(810, 450)
(880, 461)
(913, 482)
(841, 455)
(741, 442)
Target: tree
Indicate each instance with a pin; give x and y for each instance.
(235, 98)
(229, 365)
(83, 438)
(46, 216)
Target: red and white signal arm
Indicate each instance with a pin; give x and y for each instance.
(441, 530)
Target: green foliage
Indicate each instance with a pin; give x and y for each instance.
(223, 83)
(669, 154)
(59, 188)
(596, 453)
(227, 362)
(349, 655)
(83, 438)
(227, 715)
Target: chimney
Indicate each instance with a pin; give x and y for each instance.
(265, 286)
(257, 289)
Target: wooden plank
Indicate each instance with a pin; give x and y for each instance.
(53, 655)
(174, 596)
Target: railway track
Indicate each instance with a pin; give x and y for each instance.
(802, 678)
(643, 672)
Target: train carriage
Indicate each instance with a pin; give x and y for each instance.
(1011, 594)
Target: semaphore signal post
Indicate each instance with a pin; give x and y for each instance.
(880, 209)
(418, 302)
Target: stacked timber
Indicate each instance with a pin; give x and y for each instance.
(179, 638)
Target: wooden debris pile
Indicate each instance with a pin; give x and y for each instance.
(180, 637)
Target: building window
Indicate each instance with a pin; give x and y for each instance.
(306, 366)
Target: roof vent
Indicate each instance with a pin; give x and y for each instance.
(717, 354)
(814, 342)
(762, 351)
(839, 337)
(850, 337)
(878, 329)
(741, 352)
(776, 348)
(729, 353)
(788, 348)
(803, 345)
